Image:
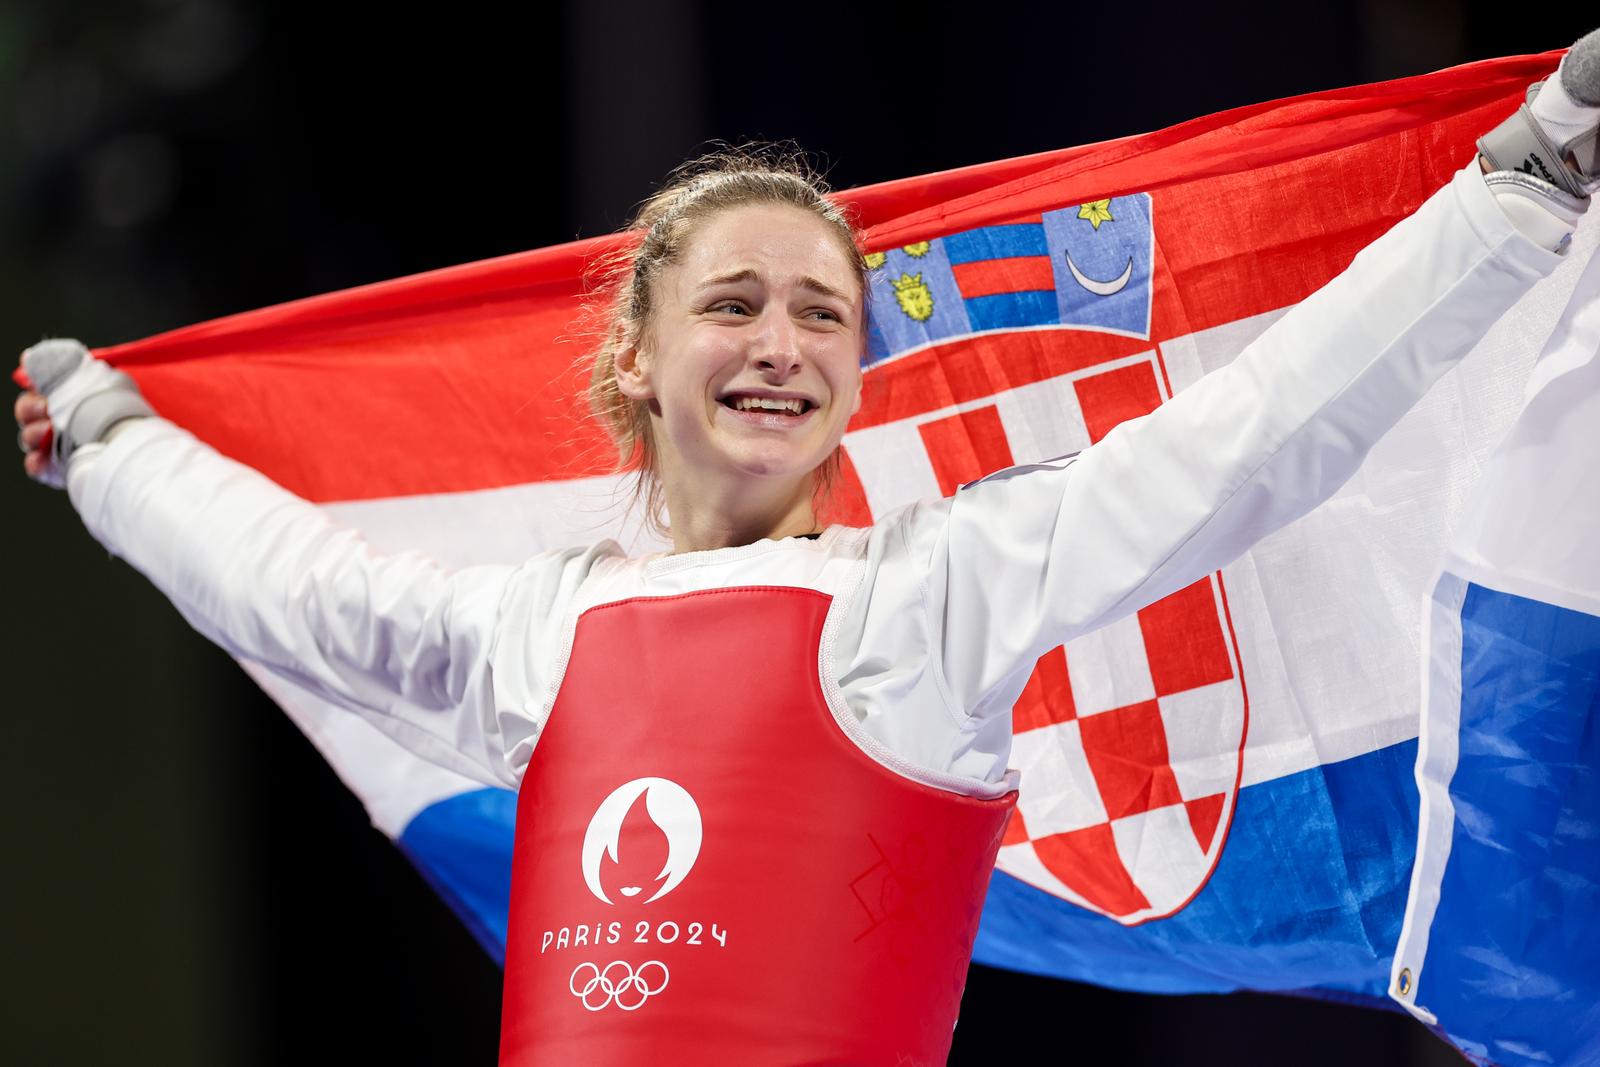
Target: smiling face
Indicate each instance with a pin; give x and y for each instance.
(750, 363)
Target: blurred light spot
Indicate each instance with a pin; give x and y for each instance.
(56, 101)
(132, 179)
(189, 43)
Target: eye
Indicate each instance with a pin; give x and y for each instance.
(729, 307)
(824, 315)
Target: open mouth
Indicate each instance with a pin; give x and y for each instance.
(767, 405)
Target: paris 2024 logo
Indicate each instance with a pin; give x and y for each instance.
(630, 983)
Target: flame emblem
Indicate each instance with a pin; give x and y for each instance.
(675, 814)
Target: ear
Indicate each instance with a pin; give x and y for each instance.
(861, 381)
(632, 368)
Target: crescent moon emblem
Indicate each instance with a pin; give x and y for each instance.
(1099, 288)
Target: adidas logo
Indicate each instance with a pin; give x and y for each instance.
(1533, 161)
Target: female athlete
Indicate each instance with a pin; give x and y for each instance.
(763, 776)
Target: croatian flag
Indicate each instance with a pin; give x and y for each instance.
(1218, 791)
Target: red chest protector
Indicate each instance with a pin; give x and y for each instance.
(707, 870)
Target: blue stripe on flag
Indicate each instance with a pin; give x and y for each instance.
(462, 846)
(1324, 914)
(1310, 891)
(997, 242)
(1513, 960)
(1001, 311)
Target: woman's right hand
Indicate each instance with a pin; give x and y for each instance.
(33, 432)
(88, 397)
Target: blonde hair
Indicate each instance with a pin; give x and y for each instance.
(726, 178)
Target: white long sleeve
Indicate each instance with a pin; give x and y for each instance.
(271, 579)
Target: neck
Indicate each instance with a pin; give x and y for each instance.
(706, 518)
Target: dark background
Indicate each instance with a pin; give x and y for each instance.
(185, 880)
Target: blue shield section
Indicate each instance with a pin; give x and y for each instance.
(462, 846)
(1102, 259)
(894, 330)
(1513, 964)
(1118, 253)
(1310, 891)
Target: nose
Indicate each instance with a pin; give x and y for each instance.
(776, 352)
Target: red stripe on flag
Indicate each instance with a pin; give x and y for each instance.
(987, 277)
(966, 447)
(439, 408)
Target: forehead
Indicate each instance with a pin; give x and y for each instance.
(778, 242)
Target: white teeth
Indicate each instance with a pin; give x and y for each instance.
(764, 403)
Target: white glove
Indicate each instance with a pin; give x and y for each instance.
(85, 398)
(1545, 159)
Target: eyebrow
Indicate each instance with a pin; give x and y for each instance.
(748, 275)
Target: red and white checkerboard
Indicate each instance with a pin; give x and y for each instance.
(1130, 740)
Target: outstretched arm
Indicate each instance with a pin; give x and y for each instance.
(270, 578)
(1031, 557)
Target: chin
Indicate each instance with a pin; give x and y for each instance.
(774, 471)
(776, 466)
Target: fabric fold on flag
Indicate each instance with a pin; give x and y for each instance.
(1218, 792)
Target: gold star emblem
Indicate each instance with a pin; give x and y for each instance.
(1096, 212)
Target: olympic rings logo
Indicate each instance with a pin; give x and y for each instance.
(617, 982)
